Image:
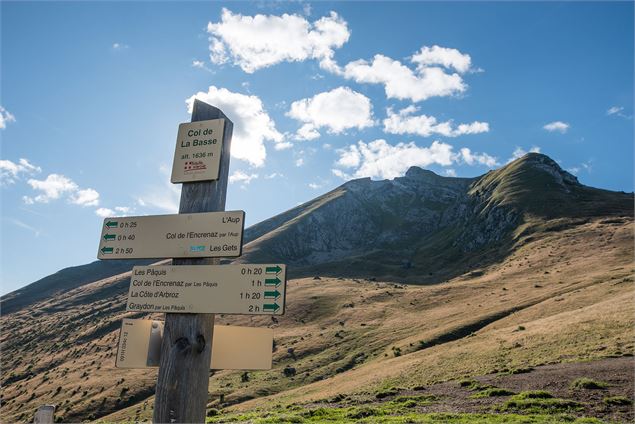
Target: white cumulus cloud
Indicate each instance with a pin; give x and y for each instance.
(557, 126)
(239, 176)
(252, 124)
(449, 58)
(104, 212)
(56, 186)
(336, 110)
(404, 122)
(85, 197)
(379, 159)
(401, 82)
(119, 211)
(10, 172)
(260, 41)
(470, 158)
(5, 117)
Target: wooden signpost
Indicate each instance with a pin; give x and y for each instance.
(195, 286)
(181, 392)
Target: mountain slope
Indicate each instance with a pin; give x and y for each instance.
(570, 290)
(418, 228)
(423, 224)
(65, 279)
(486, 255)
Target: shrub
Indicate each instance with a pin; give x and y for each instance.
(520, 370)
(288, 371)
(362, 413)
(617, 401)
(534, 394)
(419, 399)
(492, 392)
(385, 393)
(587, 383)
(473, 385)
(539, 401)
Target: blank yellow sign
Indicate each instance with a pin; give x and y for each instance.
(233, 348)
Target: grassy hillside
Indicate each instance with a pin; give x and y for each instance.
(65, 279)
(560, 297)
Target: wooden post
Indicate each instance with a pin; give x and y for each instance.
(182, 385)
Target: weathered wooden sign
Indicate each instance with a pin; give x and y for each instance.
(223, 289)
(193, 235)
(198, 150)
(243, 348)
(44, 415)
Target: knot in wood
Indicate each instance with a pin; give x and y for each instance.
(182, 344)
(200, 343)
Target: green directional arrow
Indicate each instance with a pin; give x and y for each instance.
(273, 269)
(272, 282)
(106, 250)
(272, 294)
(111, 224)
(109, 236)
(271, 307)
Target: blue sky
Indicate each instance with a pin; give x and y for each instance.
(92, 95)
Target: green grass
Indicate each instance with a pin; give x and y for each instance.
(617, 401)
(587, 383)
(534, 394)
(539, 402)
(467, 382)
(380, 416)
(474, 385)
(416, 398)
(492, 392)
(387, 392)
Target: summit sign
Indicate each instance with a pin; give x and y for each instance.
(198, 150)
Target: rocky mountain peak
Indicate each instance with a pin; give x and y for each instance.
(544, 163)
(416, 172)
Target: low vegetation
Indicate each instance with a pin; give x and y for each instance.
(492, 392)
(587, 383)
(617, 401)
(388, 414)
(539, 402)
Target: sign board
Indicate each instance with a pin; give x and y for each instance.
(44, 414)
(215, 289)
(198, 150)
(233, 348)
(194, 235)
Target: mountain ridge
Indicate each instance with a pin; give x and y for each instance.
(396, 228)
